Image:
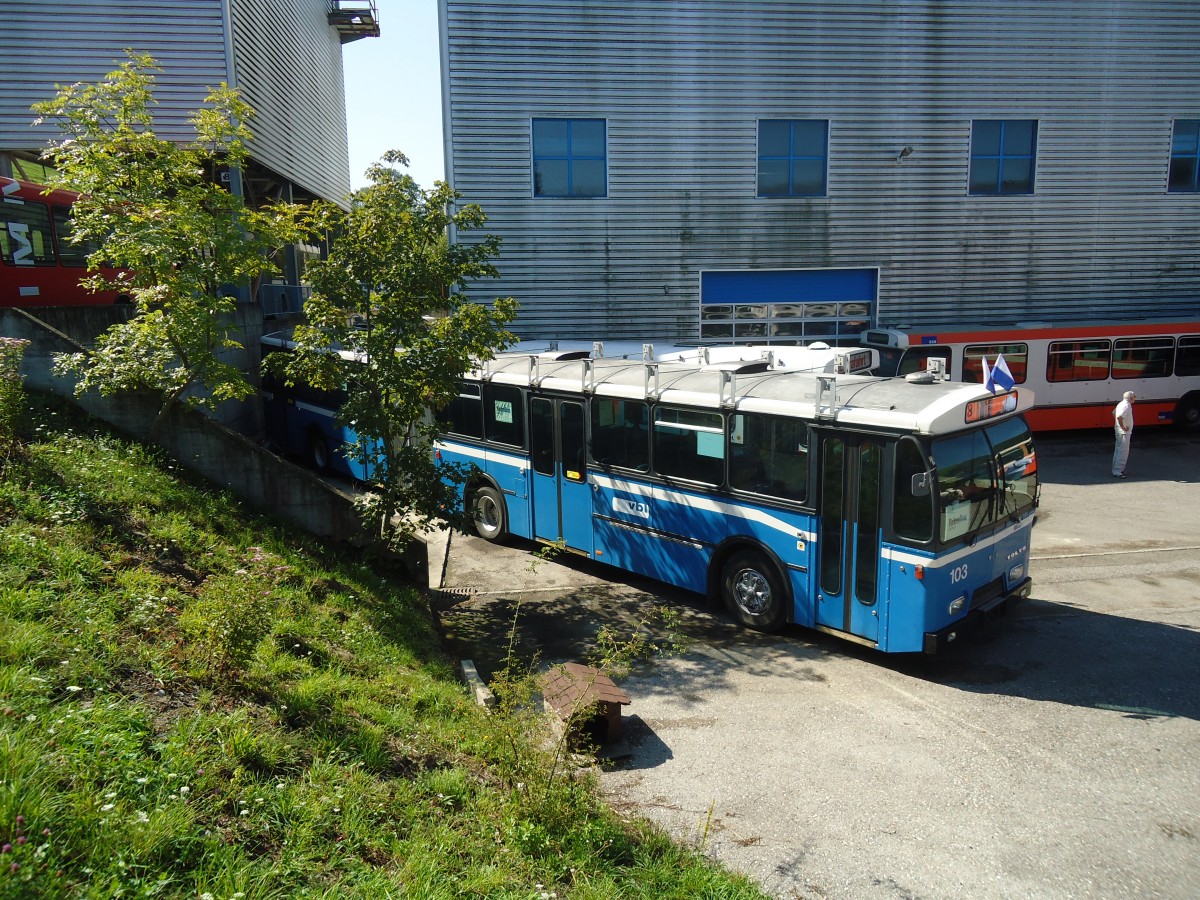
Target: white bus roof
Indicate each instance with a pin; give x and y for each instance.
(815, 357)
(893, 404)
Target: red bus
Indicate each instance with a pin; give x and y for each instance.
(1076, 373)
(41, 267)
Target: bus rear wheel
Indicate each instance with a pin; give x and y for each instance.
(318, 452)
(1187, 414)
(487, 512)
(752, 591)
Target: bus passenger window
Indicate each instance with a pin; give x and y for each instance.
(689, 443)
(25, 237)
(1187, 355)
(912, 515)
(69, 254)
(620, 433)
(1016, 357)
(464, 414)
(769, 455)
(1142, 357)
(504, 415)
(1078, 361)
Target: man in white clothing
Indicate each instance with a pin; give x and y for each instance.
(1123, 423)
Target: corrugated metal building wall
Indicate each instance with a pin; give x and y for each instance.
(682, 86)
(286, 60)
(288, 64)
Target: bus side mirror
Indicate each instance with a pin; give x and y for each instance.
(920, 484)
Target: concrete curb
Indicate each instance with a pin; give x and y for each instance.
(437, 550)
(483, 694)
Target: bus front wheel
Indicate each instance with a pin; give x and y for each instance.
(752, 591)
(487, 512)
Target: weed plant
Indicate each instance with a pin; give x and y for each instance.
(198, 702)
(12, 394)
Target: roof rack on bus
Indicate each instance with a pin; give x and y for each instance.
(727, 391)
(826, 409)
(651, 373)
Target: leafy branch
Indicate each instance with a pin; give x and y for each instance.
(180, 242)
(389, 322)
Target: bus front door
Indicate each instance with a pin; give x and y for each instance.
(562, 501)
(848, 541)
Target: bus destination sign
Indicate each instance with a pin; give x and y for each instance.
(990, 407)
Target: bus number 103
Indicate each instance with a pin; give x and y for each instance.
(958, 573)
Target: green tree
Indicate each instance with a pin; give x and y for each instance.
(155, 210)
(390, 298)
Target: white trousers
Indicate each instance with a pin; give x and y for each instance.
(1121, 451)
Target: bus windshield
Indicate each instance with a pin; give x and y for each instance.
(983, 476)
(889, 360)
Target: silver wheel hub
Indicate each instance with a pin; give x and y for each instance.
(487, 514)
(752, 592)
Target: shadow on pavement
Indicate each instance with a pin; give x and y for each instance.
(1046, 652)
(1085, 457)
(1062, 654)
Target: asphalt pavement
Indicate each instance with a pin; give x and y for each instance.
(1057, 755)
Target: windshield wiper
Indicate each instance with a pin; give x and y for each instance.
(984, 508)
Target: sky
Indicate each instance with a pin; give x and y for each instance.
(393, 92)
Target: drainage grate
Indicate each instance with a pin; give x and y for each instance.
(450, 597)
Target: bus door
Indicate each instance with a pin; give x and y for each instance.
(848, 528)
(562, 501)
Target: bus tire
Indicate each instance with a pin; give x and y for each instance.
(1187, 414)
(318, 452)
(752, 591)
(488, 514)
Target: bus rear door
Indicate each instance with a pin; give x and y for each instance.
(848, 535)
(562, 501)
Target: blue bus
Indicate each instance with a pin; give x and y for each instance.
(303, 421)
(892, 512)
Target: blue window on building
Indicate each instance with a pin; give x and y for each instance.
(1003, 154)
(1184, 174)
(792, 157)
(569, 158)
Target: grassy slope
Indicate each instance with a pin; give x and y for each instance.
(194, 701)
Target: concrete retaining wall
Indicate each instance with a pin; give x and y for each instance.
(223, 456)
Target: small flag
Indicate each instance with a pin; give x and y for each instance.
(999, 376)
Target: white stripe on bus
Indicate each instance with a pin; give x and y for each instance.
(319, 410)
(654, 492)
(708, 504)
(902, 555)
(487, 455)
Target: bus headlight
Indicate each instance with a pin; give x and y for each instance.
(1016, 572)
(957, 604)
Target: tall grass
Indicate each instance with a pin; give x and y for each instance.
(198, 702)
